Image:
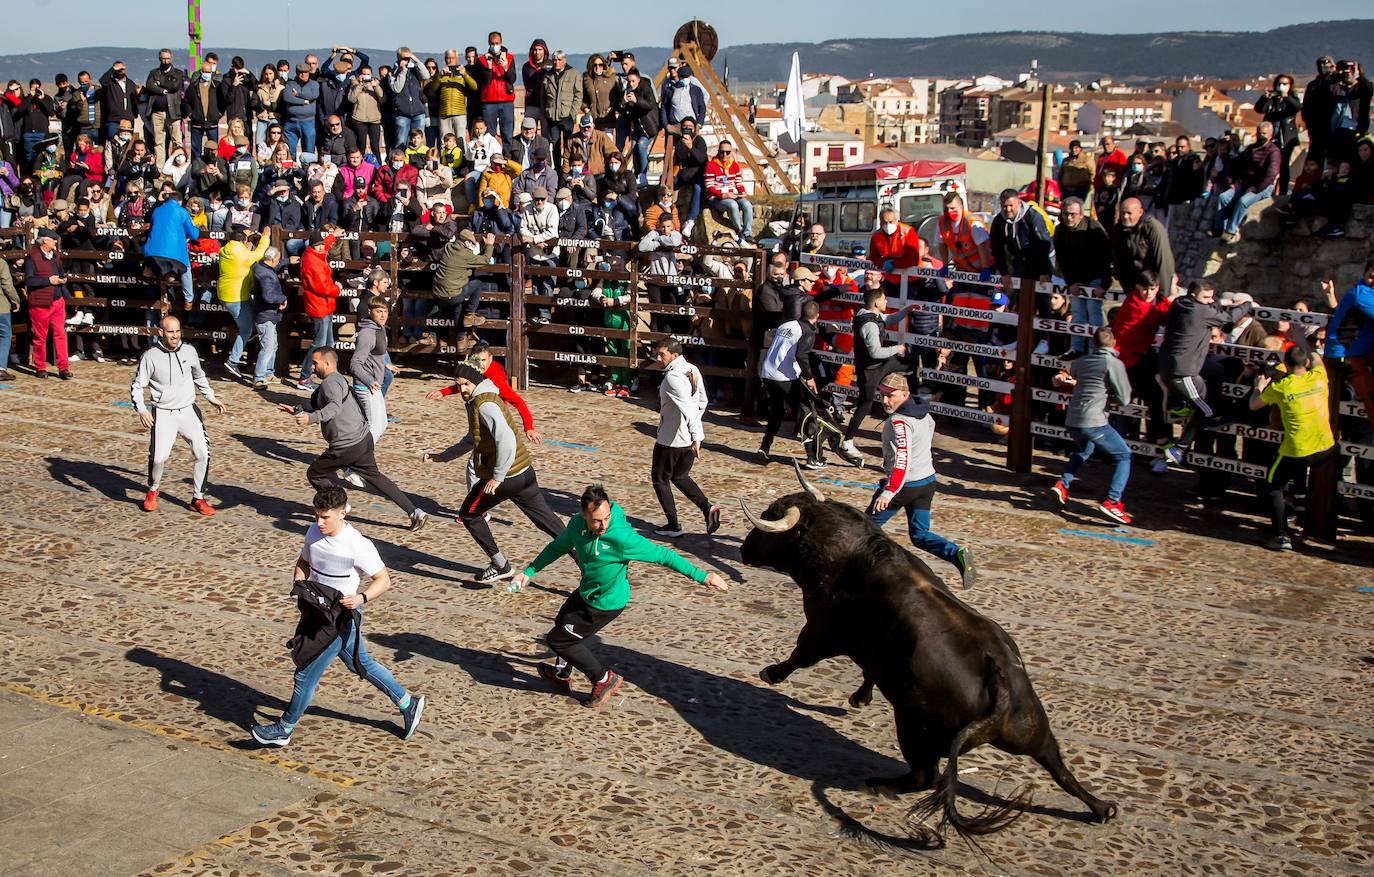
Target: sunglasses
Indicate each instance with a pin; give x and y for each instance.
(537, 200)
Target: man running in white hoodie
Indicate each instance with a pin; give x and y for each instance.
(171, 370)
(682, 401)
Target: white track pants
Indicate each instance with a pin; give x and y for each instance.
(167, 425)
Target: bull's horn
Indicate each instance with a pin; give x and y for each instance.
(789, 520)
(810, 489)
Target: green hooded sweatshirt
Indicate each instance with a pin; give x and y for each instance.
(604, 560)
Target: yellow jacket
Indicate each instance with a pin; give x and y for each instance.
(499, 180)
(236, 263)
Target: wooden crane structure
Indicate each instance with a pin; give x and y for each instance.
(696, 43)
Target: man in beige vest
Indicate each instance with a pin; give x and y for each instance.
(501, 469)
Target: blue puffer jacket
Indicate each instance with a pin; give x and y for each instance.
(169, 232)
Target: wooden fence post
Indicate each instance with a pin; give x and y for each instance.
(517, 346)
(1020, 446)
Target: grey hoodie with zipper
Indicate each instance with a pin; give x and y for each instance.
(338, 412)
(368, 365)
(172, 375)
(1099, 374)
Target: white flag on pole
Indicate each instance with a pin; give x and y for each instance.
(794, 103)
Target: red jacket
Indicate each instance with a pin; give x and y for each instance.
(1135, 325)
(499, 84)
(318, 288)
(497, 375)
(903, 247)
(723, 180)
(1116, 160)
(385, 180)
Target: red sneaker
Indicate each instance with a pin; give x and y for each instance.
(150, 501)
(602, 691)
(1061, 492)
(200, 505)
(1115, 510)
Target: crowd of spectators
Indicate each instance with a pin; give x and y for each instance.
(436, 149)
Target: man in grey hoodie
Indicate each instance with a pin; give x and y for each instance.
(1095, 377)
(172, 371)
(340, 415)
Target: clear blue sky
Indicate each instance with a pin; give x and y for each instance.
(50, 25)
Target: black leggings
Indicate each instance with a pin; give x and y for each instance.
(865, 403)
(672, 467)
(369, 136)
(362, 459)
(523, 490)
(568, 639)
(1284, 470)
(779, 396)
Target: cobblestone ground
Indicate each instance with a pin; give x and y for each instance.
(1219, 693)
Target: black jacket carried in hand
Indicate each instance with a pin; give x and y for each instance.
(323, 620)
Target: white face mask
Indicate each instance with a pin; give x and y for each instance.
(889, 227)
(1283, 88)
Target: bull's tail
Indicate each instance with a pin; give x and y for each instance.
(942, 802)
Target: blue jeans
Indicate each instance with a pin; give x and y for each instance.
(412, 308)
(1086, 310)
(200, 135)
(738, 213)
(387, 376)
(6, 333)
(916, 498)
(1231, 207)
(110, 132)
(6, 218)
(31, 142)
(299, 132)
(1110, 442)
(500, 119)
(267, 350)
(324, 337)
(242, 312)
(303, 687)
(641, 155)
(403, 126)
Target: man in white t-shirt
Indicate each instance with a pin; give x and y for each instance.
(334, 554)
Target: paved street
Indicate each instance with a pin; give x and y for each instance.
(1220, 693)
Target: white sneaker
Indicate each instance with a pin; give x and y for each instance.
(687, 227)
(74, 319)
(353, 478)
(88, 319)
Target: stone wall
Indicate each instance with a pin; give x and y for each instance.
(1275, 265)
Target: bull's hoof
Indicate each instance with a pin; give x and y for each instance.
(861, 698)
(768, 674)
(1105, 811)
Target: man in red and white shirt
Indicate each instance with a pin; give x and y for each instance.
(910, 482)
(724, 183)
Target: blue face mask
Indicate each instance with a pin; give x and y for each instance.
(608, 204)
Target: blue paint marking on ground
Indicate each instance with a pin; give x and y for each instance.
(1365, 589)
(1096, 534)
(842, 483)
(393, 420)
(574, 445)
(122, 404)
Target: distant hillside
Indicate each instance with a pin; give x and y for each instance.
(1062, 56)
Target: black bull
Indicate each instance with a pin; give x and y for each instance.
(954, 678)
